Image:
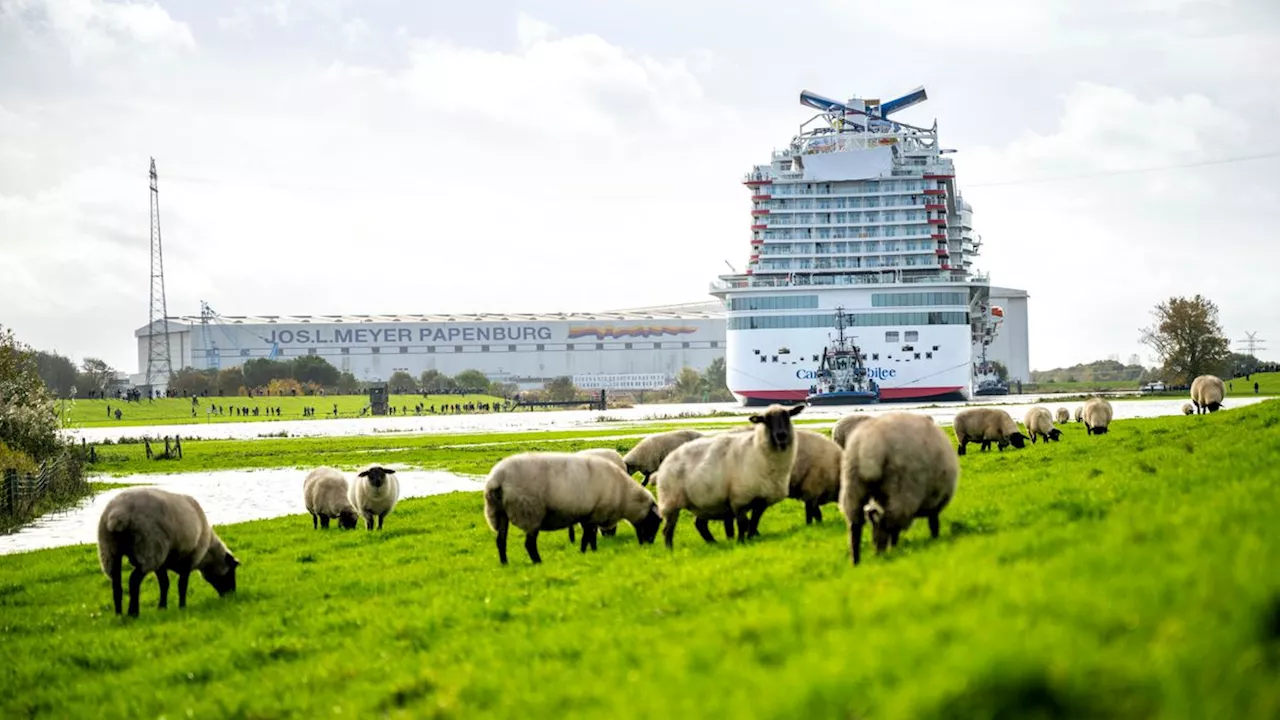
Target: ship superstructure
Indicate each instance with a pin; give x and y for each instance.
(860, 211)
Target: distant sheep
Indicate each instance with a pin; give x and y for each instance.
(1062, 416)
(160, 531)
(648, 454)
(986, 425)
(729, 475)
(325, 493)
(1188, 409)
(1097, 416)
(896, 468)
(375, 492)
(1039, 424)
(538, 491)
(815, 474)
(1207, 393)
(1079, 413)
(846, 425)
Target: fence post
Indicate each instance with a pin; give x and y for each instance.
(11, 490)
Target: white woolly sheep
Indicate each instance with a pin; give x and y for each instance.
(1062, 416)
(896, 468)
(375, 492)
(1079, 413)
(729, 475)
(1207, 392)
(614, 457)
(161, 531)
(815, 474)
(1188, 409)
(986, 425)
(538, 491)
(1097, 416)
(648, 454)
(1039, 424)
(325, 493)
(841, 431)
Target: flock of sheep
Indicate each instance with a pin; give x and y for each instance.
(886, 470)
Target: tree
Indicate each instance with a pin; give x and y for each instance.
(259, 372)
(315, 370)
(1187, 338)
(402, 382)
(192, 381)
(434, 381)
(96, 376)
(473, 380)
(689, 385)
(28, 417)
(561, 389)
(229, 381)
(348, 384)
(57, 372)
(715, 377)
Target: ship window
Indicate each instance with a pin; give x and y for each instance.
(928, 356)
(935, 347)
(756, 351)
(911, 336)
(775, 358)
(815, 358)
(917, 356)
(891, 336)
(764, 359)
(875, 356)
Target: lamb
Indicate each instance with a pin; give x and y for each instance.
(986, 425)
(160, 531)
(1040, 424)
(538, 491)
(1062, 416)
(648, 454)
(896, 468)
(841, 431)
(325, 492)
(374, 492)
(1097, 416)
(815, 474)
(1207, 392)
(729, 475)
(1079, 413)
(1188, 409)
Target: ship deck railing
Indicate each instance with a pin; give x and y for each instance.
(758, 282)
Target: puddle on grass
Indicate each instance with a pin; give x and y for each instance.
(227, 496)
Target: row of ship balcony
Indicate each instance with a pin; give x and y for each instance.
(790, 280)
(921, 202)
(813, 220)
(809, 250)
(851, 190)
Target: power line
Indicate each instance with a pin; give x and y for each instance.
(1131, 171)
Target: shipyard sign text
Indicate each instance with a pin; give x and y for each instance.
(404, 335)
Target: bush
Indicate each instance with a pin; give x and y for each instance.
(28, 417)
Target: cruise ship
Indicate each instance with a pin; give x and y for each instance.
(859, 214)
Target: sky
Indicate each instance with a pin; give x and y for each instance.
(342, 157)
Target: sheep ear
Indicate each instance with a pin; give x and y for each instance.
(756, 419)
(389, 471)
(364, 473)
(795, 410)
(232, 562)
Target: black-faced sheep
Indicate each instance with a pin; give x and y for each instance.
(1039, 424)
(538, 491)
(841, 431)
(161, 531)
(730, 475)
(815, 474)
(1207, 393)
(985, 426)
(614, 457)
(326, 495)
(1097, 416)
(375, 492)
(648, 454)
(1188, 409)
(1062, 416)
(896, 468)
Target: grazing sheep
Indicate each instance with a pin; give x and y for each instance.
(841, 431)
(375, 492)
(1097, 416)
(815, 474)
(161, 531)
(986, 425)
(1188, 409)
(1207, 392)
(648, 454)
(729, 475)
(1062, 416)
(325, 492)
(1079, 413)
(538, 491)
(896, 468)
(614, 457)
(1039, 424)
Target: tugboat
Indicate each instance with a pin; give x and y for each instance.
(841, 377)
(986, 380)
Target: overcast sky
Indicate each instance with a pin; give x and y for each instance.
(384, 156)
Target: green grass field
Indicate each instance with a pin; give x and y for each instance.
(1128, 575)
(177, 411)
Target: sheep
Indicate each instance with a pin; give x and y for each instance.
(538, 491)
(986, 425)
(1040, 424)
(895, 468)
(729, 475)
(614, 457)
(845, 426)
(1062, 416)
(648, 454)
(375, 492)
(326, 494)
(1188, 409)
(1207, 392)
(1079, 413)
(1097, 416)
(815, 474)
(161, 531)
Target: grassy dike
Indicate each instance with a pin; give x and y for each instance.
(1127, 575)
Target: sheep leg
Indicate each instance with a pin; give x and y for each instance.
(704, 529)
(589, 537)
(183, 577)
(609, 532)
(759, 507)
(324, 522)
(585, 540)
(135, 590)
(380, 517)
(934, 526)
(645, 481)
(728, 528)
(314, 521)
(572, 537)
(744, 523)
(669, 530)
(502, 523)
(531, 546)
(117, 588)
(855, 542)
(960, 450)
(162, 577)
(368, 520)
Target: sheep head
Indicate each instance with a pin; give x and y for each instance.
(220, 572)
(647, 528)
(377, 475)
(776, 424)
(1055, 434)
(348, 519)
(1018, 440)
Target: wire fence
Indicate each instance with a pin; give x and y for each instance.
(59, 481)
